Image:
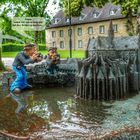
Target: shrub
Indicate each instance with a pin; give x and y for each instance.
(11, 47)
(42, 47)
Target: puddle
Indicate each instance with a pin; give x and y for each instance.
(54, 113)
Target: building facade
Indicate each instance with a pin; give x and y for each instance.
(93, 22)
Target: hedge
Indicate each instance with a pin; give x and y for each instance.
(42, 47)
(11, 47)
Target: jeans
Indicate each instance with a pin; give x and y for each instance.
(21, 79)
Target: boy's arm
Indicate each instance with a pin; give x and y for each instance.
(25, 60)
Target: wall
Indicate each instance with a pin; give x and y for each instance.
(121, 23)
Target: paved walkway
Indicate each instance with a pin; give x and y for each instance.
(8, 62)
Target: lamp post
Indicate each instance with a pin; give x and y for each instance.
(70, 30)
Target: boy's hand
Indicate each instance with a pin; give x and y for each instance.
(34, 57)
(39, 59)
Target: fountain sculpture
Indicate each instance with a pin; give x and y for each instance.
(38, 74)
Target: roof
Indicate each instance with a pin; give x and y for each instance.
(87, 12)
(129, 42)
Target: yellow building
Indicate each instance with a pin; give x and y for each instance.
(93, 22)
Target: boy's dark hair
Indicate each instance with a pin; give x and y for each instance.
(52, 48)
(29, 46)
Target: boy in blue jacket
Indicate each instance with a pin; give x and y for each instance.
(28, 55)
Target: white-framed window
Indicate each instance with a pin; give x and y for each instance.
(54, 44)
(95, 14)
(79, 31)
(61, 33)
(67, 20)
(56, 20)
(82, 16)
(61, 44)
(113, 11)
(53, 34)
(101, 29)
(90, 30)
(80, 44)
(115, 28)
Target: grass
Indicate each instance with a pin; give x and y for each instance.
(63, 54)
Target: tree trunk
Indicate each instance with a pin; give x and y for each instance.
(36, 37)
(0, 46)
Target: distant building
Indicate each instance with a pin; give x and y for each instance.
(93, 22)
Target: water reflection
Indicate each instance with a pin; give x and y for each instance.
(55, 113)
(22, 100)
(66, 114)
(14, 117)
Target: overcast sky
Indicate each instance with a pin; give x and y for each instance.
(53, 8)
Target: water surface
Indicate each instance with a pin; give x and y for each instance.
(54, 113)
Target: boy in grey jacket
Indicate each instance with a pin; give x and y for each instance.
(28, 55)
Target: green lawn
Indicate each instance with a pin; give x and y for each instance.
(63, 54)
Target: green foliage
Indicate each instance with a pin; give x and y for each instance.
(127, 5)
(77, 5)
(73, 7)
(42, 47)
(130, 34)
(24, 8)
(12, 47)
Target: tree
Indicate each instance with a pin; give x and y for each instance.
(29, 8)
(6, 20)
(36, 8)
(129, 8)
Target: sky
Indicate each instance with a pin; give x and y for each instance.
(53, 9)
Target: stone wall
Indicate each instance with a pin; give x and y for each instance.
(121, 23)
